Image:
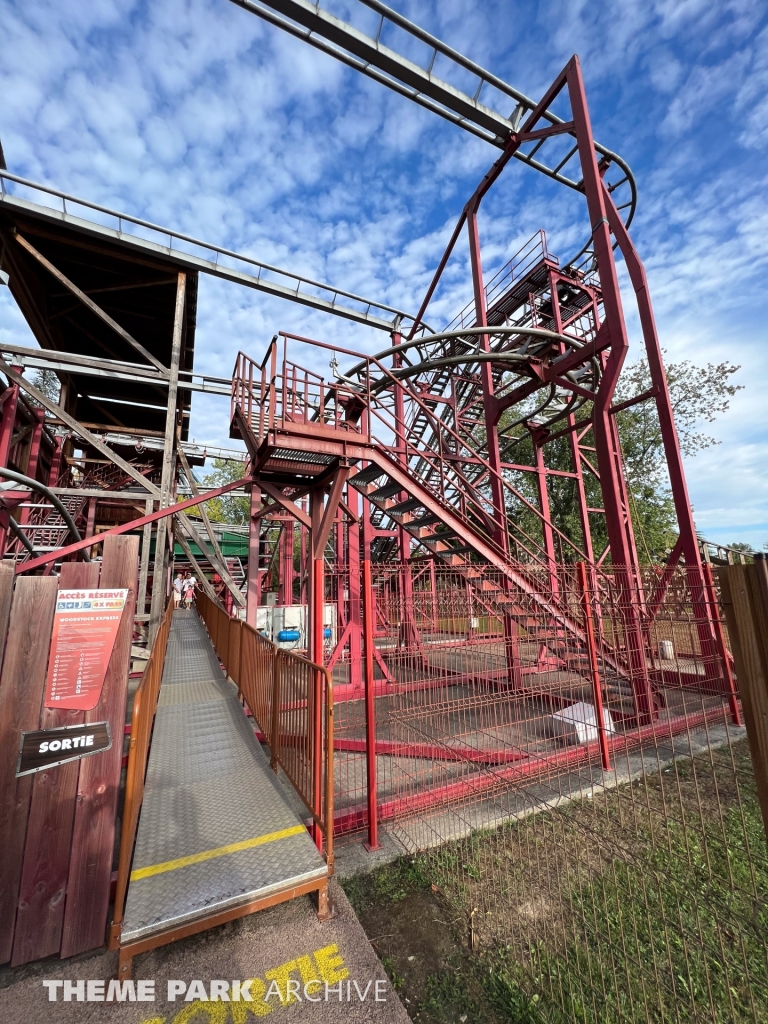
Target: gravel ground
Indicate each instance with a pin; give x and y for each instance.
(284, 942)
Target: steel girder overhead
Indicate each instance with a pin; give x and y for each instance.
(427, 84)
(188, 253)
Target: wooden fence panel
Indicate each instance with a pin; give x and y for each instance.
(85, 915)
(7, 579)
(21, 696)
(44, 877)
(745, 600)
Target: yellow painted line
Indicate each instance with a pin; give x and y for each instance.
(220, 851)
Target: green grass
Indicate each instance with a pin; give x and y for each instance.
(479, 988)
(645, 904)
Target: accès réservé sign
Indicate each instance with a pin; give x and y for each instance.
(85, 626)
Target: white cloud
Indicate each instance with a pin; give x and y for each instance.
(195, 114)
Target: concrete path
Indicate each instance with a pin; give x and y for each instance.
(284, 944)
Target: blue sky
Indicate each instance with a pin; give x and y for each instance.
(194, 114)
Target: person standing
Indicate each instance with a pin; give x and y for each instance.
(177, 590)
(190, 585)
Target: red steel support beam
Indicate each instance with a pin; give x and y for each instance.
(134, 524)
(674, 458)
(597, 690)
(618, 523)
(370, 695)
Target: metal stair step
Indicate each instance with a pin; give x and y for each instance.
(386, 491)
(423, 521)
(366, 476)
(405, 506)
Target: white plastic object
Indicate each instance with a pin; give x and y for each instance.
(666, 650)
(579, 722)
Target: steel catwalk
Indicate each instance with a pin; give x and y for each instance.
(215, 829)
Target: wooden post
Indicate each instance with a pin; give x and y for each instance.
(745, 600)
(21, 698)
(169, 463)
(146, 544)
(40, 914)
(93, 834)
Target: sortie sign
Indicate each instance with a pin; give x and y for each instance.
(46, 748)
(84, 629)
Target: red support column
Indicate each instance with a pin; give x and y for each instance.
(616, 513)
(353, 566)
(574, 438)
(34, 448)
(486, 375)
(597, 690)
(674, 458)
(370, 697)
(285, 564)
(305, 570)
(55, 473)
(501, 536)
(408, 635)
(10, 405)
(549, 536)
(315, 640)
(34, 458)
(316, 589)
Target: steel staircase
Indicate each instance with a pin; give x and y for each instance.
(46, 529)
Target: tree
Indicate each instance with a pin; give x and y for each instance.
(228, 508)
(698, 395)
(48, 382)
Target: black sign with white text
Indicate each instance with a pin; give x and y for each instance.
(47, 748)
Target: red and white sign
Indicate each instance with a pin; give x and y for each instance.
(84, 630)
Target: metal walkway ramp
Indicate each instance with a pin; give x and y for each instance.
(216, 833)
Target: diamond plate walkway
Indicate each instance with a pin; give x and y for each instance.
(215, 830)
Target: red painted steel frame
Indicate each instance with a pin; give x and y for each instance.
(273, 398)
(88, 542)
(482, 782)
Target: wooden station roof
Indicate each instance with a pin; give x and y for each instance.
(137, 290)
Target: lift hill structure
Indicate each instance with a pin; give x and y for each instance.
(396, 490)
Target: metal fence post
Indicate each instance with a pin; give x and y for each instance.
(274, 733)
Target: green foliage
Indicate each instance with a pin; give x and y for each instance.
(698, 395)
(227, 508)
(48, 382)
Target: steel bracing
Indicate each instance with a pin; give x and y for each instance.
(435, 467)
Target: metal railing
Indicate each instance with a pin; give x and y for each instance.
(534, 251)
(291, 700)
(142, 721)
(270, 396)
